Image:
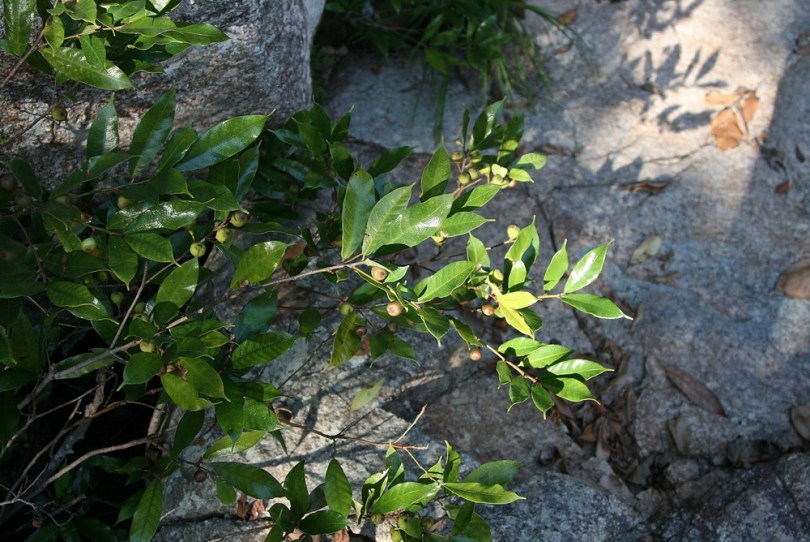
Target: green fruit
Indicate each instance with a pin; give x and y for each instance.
(62, 200)
(224, 235)
(197, 249)
(117, 298)
(498, 180)
(459, 142)
(123, 202)
(102, 276)
(396, 536)
(496, 275)
(346, 309)
(139, 307)
(239, 219)
(513, 231)
(457, 156)
(22, 201)
(474, 173)
(89, 245)
(147, 346)
(59, 113)
(8, 183)
(464, 179)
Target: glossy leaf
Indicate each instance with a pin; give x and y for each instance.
(196, 33)
(518, 391)
(176, 148)
(151, 246)
(546, 355)
(570, 388)
(323, 522)
(151, 133)
(256, 315)
(183, 392)
(494, 472)
(24, 173)
(141, 367)
(389, 208)
(74, 64)
(18, 18)
(462, 222)
(103, 134)
(594, 305)
(261, 348)
(587, 269)
(584, 368)
(54, 31)
(258, 263)
(295, 485)
(436, 174)
(357, 204)
(533, 159)
(504, 373)
(445, 281)
(542, 399)
(206, 379)
(521, 256)
(516, 320)
(122, 260)
(77, 299)
(475, 198)
(222, 141)
(250, 480)
(389, 160)
(337, 490)
(519, 346)
(479, 493)
(179, 286)
(556, 268)
(411, 227)
(146, 519)
(347, 342)
(477, 252)
(404, 495)
(517, 300)
(169, 215)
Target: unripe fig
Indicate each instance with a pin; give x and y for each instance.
(498, 180)
(102, 276)
(377, 519)
(62, 200)
(396, 536)
(224, 235)
(474, 173)
(346, 309)
(475, 354)
(89, 245)
(139, 307)
(457, 156)
(117, 298)
(513, 231)
(22, 201)
(239, 219)
(512, 183)
(496, 275)
(123, 202)
(464, 179)
(197, 249)
(8, 182)
(394, 308)
(379, 273)
(459, 142)
(59, 113)
(488, 310)
(147, 346)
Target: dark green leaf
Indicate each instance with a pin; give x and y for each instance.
(98, 165)
(222, 141)
(337, 490)
(183, 392)
(569, 388)
(587, 269)
(205, 378)
(357, 205)
(347, 342)
(518, 391)
(151, 246)
(18, 17)
(479, 493)
(226, 493)
(258, 263)
(151, 133)
(295, 485)
(77, 299)
(103, 135)
(169, 215)
(261, 348)
(25, 175)
(253, 481)
(388, 209)
(542, 399)
(256, 315)
(179, 286)
(521, 256)
(556, 268)
(445, 281)
(146, 519)
(389, 160)
(196, 34)
(141, 367)
(122, 260)
(308, 320)
(187, 429)
(594, 305)
(435, 175)
(410, 228)
(323, 522)
(74, 64)
(177, 147)
(494, 472)
(404, 495)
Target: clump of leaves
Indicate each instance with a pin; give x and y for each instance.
(487, 37)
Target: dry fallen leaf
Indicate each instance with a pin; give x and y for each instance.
(695, 390)
(726, 130)
(241, 506)
(568, 18)
(646, 250)
(341, 536)
(256, 510)
(782, 188)
(800, 418)
(715, 97)
(749, 106)
(794, 282)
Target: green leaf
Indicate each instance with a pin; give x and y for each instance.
(521, 256)
(436, 323)
(18, 18)
(187, 429)
(54, 31)
(389, 208)
(584, 368)
(463, 222)
(258, 263)
(594, 305)
(196, 34)
(475, 198)
(77, 299)
(296, 486)
(183, 392)
(261, 348)
(494, 472)
(542, 399)
(80, 10)
(408, 228)
(253, 481)
(519, 346)
(141, 367)
(256, 315)
(151, 133)
(405, 495)
(179, 286)
(226, 493)
(337, 490)
(98, 165)
(323, 522)
(28, 179)
(570, 388)
(479, 493)
(436, 174)
(477, 252)
(445, 281)
(587, 269)
(357, 205)
(504, 373)
(74, 64)
(103, 134)
(516, 320)
(205, 378)
(366, 395)
(151, 246)
(518, 391)
(534, 159)
(226, 446)
(168, 215)
(308, 320)
(177, 147)
(122, 260)
(222, 141)
(347, 342)
(556, 268)
(146, 519)
(517, 300)
(389, 160)
(546, 355)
